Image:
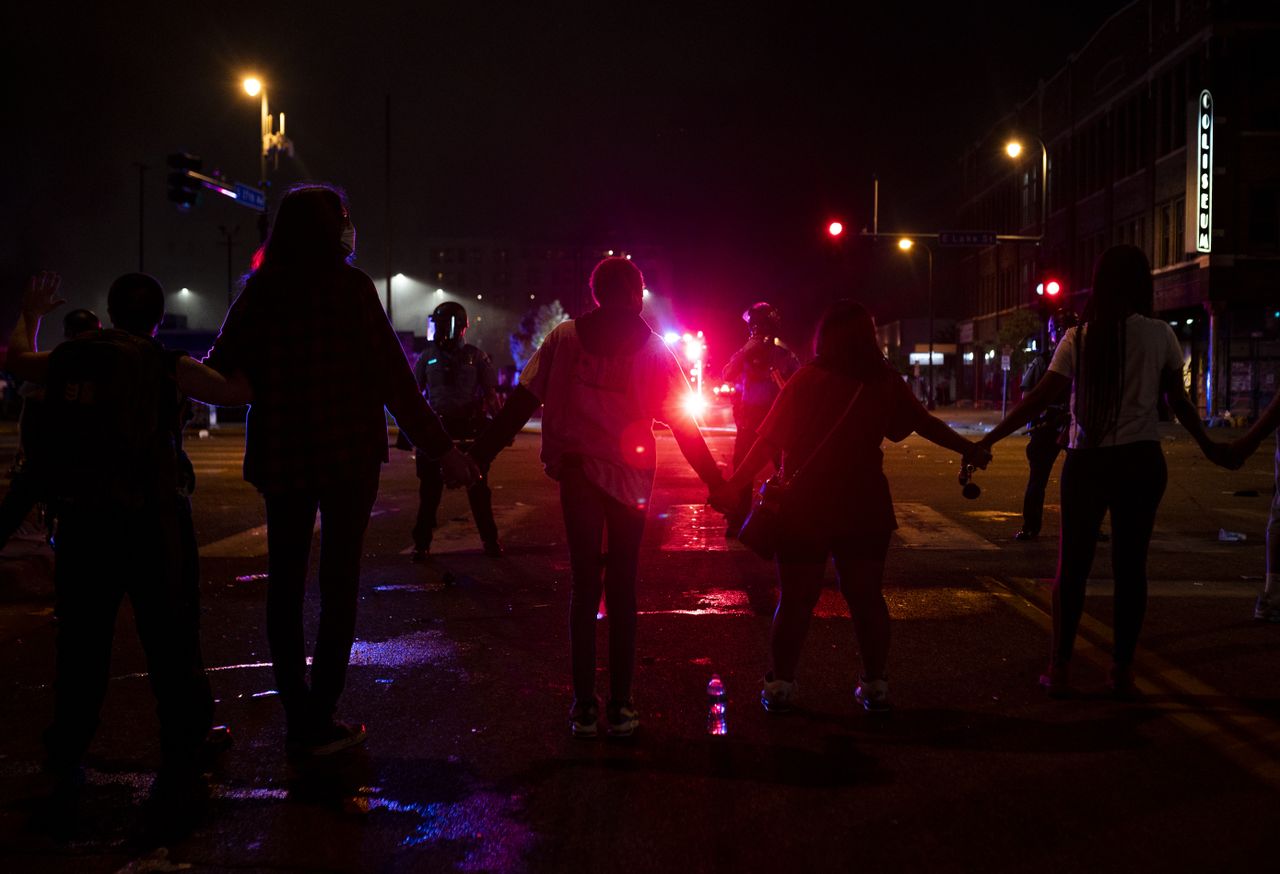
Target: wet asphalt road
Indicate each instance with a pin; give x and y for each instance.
(464, 685)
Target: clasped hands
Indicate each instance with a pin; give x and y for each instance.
(459, 469)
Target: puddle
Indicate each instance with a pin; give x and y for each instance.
(487, 823)
(717, 602)
(694, 528)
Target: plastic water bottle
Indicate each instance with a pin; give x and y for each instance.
(716, 723)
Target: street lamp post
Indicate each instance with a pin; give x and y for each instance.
(1014, 150)
(273, 143)
(906, 244)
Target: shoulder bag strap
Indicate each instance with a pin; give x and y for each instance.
(857, 392)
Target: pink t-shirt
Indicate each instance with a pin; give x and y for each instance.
(601, 408)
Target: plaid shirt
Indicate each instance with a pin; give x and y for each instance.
(324, 362)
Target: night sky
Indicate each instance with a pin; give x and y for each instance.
(729, 133)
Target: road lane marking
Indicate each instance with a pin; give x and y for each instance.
(459, 534)
(247, 544)
(1250, 740)
(922, 527)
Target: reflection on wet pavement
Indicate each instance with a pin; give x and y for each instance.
(486, 826)
(694, 528)
(418, 648)
(717, 602)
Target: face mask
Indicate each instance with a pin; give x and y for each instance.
(348, 238)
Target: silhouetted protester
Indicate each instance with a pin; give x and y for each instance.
(108, 461)
(758, 370)
(23, 492)
(310, 333)
(460, 383)
(1267, 607)
(1045, 431)
(1117, 364)
(828, 423)
(602, 379)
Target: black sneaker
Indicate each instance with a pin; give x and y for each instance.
(328, 739)
(1024, 535)
(216, 742)
(421, 553)
(584, 717)
(873, 695)
(493, 549)
(623, 718)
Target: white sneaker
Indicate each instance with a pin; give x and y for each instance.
(1265, 610)
(778, 696)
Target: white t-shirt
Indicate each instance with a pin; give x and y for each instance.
(602, 407)
(1151, 350)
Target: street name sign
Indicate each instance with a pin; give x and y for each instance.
(966, 238)
(251, 197)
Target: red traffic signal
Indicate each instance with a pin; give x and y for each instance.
(835, 229)
(1049, 288)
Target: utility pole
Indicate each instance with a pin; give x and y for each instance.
(142, 173)
(388, 208)
(228, 240)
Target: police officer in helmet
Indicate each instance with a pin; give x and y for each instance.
(460, 383)
(1045, 432)
(758, 370)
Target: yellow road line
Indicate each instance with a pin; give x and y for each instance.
(1248, 739)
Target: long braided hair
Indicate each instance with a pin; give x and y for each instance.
(1122, 287)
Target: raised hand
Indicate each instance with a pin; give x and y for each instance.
(40, 297)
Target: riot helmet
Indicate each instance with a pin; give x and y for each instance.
(1059, 322)
(450, 321)
(763, 320)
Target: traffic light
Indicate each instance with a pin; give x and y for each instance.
(835, 229)
(1049, 290)
(183, 189)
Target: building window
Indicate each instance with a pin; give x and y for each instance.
(1179, 229)
(1164, 238)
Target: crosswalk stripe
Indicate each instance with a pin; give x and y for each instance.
(459, 534)
(1250, 740)
(922, 527)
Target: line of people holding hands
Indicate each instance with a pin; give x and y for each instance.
(308, 344)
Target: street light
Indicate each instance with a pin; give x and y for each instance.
(1014, 150)
(273, 143)
(906, 244)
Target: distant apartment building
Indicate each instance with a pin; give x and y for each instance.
(1162, 131)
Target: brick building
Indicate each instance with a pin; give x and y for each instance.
(1162, 131)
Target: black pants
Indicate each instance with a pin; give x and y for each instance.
(746, 425)
(23, 494)
(431, 489)
(589, 512)
(1129, 480)
(344, 516)
(1042, 452)
(103, 556)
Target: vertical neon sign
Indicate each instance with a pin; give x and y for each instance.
(1204, 173)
